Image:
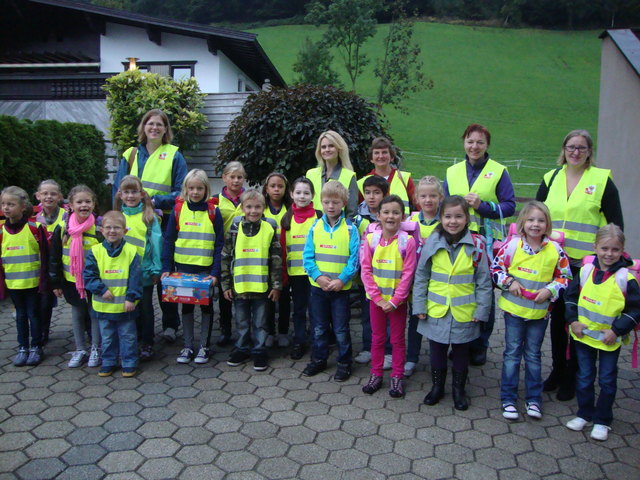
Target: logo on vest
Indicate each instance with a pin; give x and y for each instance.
(113, 271)
(193, 224)
(16, 247)
(382, 260)
(488, 175)
(592, 301)
(329, 246)
(528, 270)
(298, 236)
(250, 250)
(162, 156)
(590, 190)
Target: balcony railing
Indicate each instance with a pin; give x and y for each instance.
(74, 86)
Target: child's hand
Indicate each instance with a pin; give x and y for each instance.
(543, 295)
(155, 279)
(514, 288)
(214, 281)
(421, 316)
(609, 337)
(324, 282)
(577, 328)
(228, 294)
(336, 285)
(107, 295)
(388, 307)
(57, 292)
(129, 306)
(274, 295)
(164, 275)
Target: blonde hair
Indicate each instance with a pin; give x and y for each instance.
(49, 181)
(21, 195)
(130, 182)
(114, 216)
(168, 133)
(199, 175)
(234, 166)
(341, 146)
(430, 181)
(336, 190)
(252, 194)
(611, 230)
(526, 211)
(562, 159)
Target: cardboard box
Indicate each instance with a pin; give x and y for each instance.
(187, 288)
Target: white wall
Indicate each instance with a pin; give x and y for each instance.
(229, 75)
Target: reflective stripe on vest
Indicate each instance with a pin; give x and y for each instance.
(451, 286)
(425, 230)
(114, 274)
(251, 263)
(157, 174)
(578, 216)
(228, 210)
(533, 272)
(331, 250)
(296, 237)
(89, 239)
(396, 187)
(196, 238)
(485, 186)
(20, 258)
(136, 232)
(315, 175)
(386, 266)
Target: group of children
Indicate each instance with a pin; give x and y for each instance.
(266, 250)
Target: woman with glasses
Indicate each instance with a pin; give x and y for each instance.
(581, 198)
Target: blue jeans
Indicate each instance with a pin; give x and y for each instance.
(300, 287)
(522, 337)
(600, 411)
(251, 323)
(327, 309)
(27, 303)
(486, 328)
(119, 337)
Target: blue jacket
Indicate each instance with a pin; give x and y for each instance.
(152, 260)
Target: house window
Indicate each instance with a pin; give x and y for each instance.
(181, 72)
(178, 70)
(240, 84)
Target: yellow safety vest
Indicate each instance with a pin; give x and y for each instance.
(196, 238)
(57, 221)
(386, 266)
(485, 186)
(578, 216)
(451, 286)
(136, 232)
(315, 175)
(157, 174)
(296, 237)
(533, 272)
(398, 186)
(228, 210)
(20, 258)
(331, 250)
(364, 223)
(251, 263)
(89, 239)
(114, 273)
(276, 217)
(425, 230)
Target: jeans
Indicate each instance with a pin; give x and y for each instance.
(486, 328)
(251, 323)
(119, 337)
(522, 337)
(327, 309)
(27, 303)
(146, 318)
(300, 288)
(284, 312)
(397, 321)
(600, 411)
(414, 340)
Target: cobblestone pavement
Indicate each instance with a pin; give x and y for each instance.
(215, 421)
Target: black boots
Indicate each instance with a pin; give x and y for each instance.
(438, 377)
(460, 401)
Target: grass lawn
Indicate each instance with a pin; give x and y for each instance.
(529, 87)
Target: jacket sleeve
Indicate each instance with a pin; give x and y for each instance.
(218, 229)
(275, 262)
(134, 282)
(483, 288)
(366, 272)
(561, 275)
(169, 246)
(309, 256)
(499, 271)
(401, 293)
(506, 200)
(351, 268)
(610, 204)
(92, 281)
(421, 281)
(55, 259)
(571, 300)
(152, 262)
(630, 316)
(178, 174)
(226, 259)
(123, 168)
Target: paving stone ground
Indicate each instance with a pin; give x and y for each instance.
(218, 422)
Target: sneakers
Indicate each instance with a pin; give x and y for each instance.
(20, 360)
(387, 362)
(409, 368)
(269, 341)
(238, 357)
(373, 385)
(260, 363)
(77, 358)
(533, 410)
(146, 353)
(600, 432)
(297, 352)
(169, 335)
(95, 357)
(509, 411)
(283, 340)
(107, 371)
(577, 424)
(129, 372)
(35, 356)
(314, 367)
(343, 372)
(202, 356)
(397, 387)
(186, 355)
(363, 357)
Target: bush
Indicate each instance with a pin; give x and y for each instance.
(70, 153)
(278, 130)
(132, 93)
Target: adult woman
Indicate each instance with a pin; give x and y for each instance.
(581, 198)
(162, 169)
(487, 188)
(332, 154)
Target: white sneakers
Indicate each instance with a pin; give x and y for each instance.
(363, 357)
(387, 362)
(509, 411)
(409, 368)
(599, 432)
(577, 424)
(77, 358)
(95, 357)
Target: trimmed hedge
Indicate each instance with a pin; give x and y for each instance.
(70, 153)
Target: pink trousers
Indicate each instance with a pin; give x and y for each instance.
(397, 321)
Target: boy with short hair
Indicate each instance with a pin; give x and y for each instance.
(330, 258)
(113, 274)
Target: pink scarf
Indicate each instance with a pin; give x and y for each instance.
(76, 251)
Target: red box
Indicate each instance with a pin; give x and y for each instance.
(187, 288)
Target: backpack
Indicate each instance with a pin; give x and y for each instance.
(212, 204)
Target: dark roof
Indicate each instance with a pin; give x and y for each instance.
(242, 48)
(628, 42)
(45, 58)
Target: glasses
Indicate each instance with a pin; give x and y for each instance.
(573, 148)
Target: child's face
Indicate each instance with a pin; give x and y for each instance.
(453, 219)
(49, 196)
(196, 191)
(381, 158)
(113, 230)
(328, 151)
(131, 197)
(332, 207)
(428, 198)
(302, 195)
(253, 210)
(535, 225)
(12, 207)
(276, 188)
(390, 216)
(373, 196)
(82, 205)
(609, 251)
(233, 181)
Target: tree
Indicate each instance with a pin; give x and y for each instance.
(400, 69)
(278, 130)
(314, 65)
(350, 24)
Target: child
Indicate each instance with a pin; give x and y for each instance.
(296, 224)
(71, 239)
(428, 197)
(23, 261)
(49, 214)
(387, 263)
(531, 270)
(330, 259)
(233, 176)
(114, 276)
(454, 271)
(251, 266)
(599, 313)
(143, 232)
(192, 244)
(276, 194)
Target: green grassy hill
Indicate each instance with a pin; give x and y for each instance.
(529, 87)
